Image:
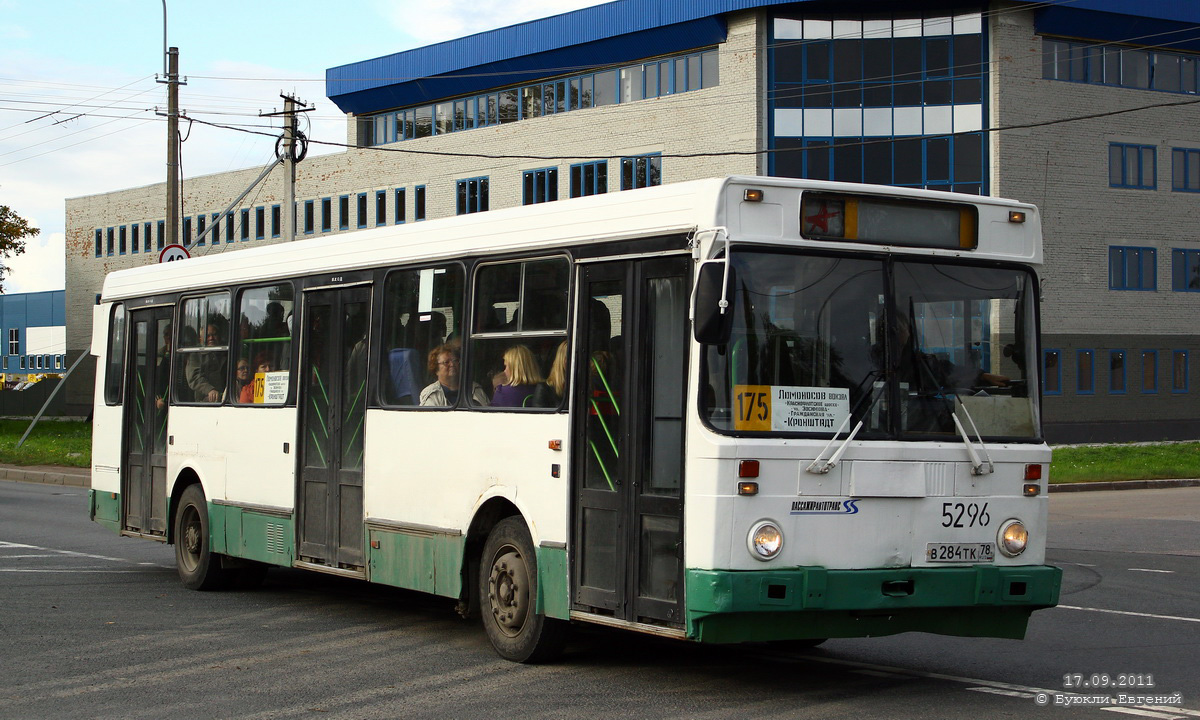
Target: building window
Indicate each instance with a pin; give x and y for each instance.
(161, 234)
(134, 238)
(310, 211)
(1185, 270)
(1185, 170)
(1179, 371)
(419, 203)
(99, 242)
(400, 206)
(1149, 371)
(471, 195)
(260, 223)
(1107, 64)
(361, 208)
(121, 238)
(326, 214)
(276, 221)
(1052, 372)
(187, 231)
(1085, 372)
(1116, 372)
(200, 225)
(147, 236)
(1132, 166)
(229, 227)
(244, 233)
(380, 207)
(110, 236)
(14, 341)
(589, 178)
(641, 171)
(1132, 268)
(215, 233)
(343, 212)
(539, 186)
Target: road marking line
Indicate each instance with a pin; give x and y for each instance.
(1144, 713)
(1134, 614)
(16, 557)
(68, 570)
(1172, 572)
(876, 673)
(999, 691)
(72, 553)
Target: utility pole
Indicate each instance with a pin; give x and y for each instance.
(172, 81)
(291, 150)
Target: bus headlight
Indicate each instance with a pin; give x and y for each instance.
(1012, 537)
(765, 540)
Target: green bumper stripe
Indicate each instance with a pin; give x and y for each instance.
(553, 598)
(105, 508)
(429, 563)
(736, 606)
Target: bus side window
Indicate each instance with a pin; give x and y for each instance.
(202, 348)
(264, 344)
(520, 324)
(422, 311)
(114, 375)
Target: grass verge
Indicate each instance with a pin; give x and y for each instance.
(52, 442)
(1101, 463)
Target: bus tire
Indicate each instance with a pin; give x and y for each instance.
(199, 568)
(508, 594)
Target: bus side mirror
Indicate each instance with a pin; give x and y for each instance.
(711, 326)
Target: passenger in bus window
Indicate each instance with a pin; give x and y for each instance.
(521, 376)
(262, 366)
(243, 379)
(162, 374)
(929, 371)
(445, 363)
(206, 370)
(549, 394)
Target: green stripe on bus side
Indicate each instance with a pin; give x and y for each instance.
(554, 586)
(244, 533)
(799, 603)
(429, 563)
(105, 508)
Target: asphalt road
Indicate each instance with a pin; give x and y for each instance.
(97, 626)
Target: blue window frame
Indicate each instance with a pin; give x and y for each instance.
(187, 232)
(201, 223)
(419, 203)
(260, 222)
(471, 195)
(147, 236)
(400, 206)
(343, 212)
(1106, 64)
(161, 234)
(539, 186)
(641, 171)
(276, 221)
(380, 207)
(121, 238)
(1185, 270)
(99, 242)
(1132, 268)
(310, 212)
(326, 214)
(360, 207)
(1185, 170)
(1149, 371)
(1132, 166)
(590, 178)
(244, 233)
(134, 238)
(215, 233)
(110, 236)
(1085, 372)
(1052, 372)
(1116, 372)
(1179, 371)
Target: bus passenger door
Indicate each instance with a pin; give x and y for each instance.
(628, 440)
(144, 478)
(333, 410)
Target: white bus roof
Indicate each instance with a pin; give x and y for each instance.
(677, 208)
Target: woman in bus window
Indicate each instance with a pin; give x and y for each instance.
(549, 394)
(443, 392)
(521, 376)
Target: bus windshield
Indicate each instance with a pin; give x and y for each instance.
(821, 342)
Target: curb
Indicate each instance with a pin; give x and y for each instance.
(1123, 485)
(67, 476)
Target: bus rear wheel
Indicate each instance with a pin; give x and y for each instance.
(199, 568)
(508, 594)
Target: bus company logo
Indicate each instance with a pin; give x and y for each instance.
(825, 507)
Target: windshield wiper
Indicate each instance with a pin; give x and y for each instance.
(977, 465)
(819, 466)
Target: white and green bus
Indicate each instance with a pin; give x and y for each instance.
(739, 409)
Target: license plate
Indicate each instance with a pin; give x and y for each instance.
(960, 552)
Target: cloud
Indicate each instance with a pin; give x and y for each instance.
(437, 20)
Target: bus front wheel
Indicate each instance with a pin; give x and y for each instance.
(199, 568)
(508, 593)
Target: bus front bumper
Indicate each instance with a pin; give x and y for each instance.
(813, 602)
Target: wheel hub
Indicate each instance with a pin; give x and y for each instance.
(508, 592)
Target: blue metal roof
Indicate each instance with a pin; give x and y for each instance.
(627, 30)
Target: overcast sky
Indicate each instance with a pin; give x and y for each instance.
(78, 92)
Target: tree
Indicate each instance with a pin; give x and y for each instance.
(14, 229)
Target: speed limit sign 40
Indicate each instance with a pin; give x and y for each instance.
(173, 252)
